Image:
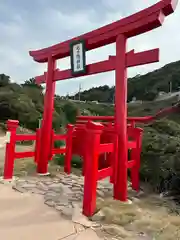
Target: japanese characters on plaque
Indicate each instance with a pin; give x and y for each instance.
(77, 55)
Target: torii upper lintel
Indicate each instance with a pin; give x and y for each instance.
(138, 23)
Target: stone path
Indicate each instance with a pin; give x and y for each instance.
(64, 193)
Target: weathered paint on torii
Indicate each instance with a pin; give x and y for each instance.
(141, 22)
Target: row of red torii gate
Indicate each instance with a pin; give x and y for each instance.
(109, 138)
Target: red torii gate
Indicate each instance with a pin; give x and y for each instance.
(118, 32)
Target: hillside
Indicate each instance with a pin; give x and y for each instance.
(143, 87)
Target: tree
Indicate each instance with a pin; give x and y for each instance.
(70, 111)
(150, 95)
(32, 83)
(4, 80)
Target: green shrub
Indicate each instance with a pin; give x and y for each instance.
(70, 110)
(160, 159)
(3, 126)
(76, 161)
(59, 144)
(166, 126)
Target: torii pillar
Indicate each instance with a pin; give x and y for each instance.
(120, 185)
(46, 128)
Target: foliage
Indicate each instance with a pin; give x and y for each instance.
(4, 80)
(70, 110)
(160, 159)
(32, 83)
(76, 161)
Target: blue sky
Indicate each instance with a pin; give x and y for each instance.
(33, 24)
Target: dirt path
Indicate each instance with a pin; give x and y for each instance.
(2, 148)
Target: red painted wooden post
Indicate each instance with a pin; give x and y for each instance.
(136, 155)
(68, 156)
(46, 128)
(84, 167)
(120, 185)
(37, 146)
(94, 131)
(10, 149)
(114, 159)
(51, 146)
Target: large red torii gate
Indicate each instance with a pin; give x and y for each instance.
(118, 32)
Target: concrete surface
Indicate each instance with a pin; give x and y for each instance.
(24, 216)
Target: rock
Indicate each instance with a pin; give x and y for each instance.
(37, 191)
(31, 181)
(79, 195)
(139, 194)
(100, 203)
(67, 211)
(74, 198)
(115, 230)
(99, 216)
(75, 189)
(19, 189)
(108, 211)
(79, 218)
(21, 181)
(42, 186)
(56, 187)
(48, 182)
(78, 205)
(59, 208)
(78, 228)
(63, 181)
(81, 182)
(100, 193)
(74, 177)
(29, 185)
(135, 200)
(52, 196)
(66, 190)
(78, 198)
(62, 201)
(50, 203)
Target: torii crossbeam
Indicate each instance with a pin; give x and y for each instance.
(117, 32)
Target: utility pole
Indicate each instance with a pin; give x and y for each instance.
(80, 88)
(67, 96)
(113, 100)
(170, 86)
